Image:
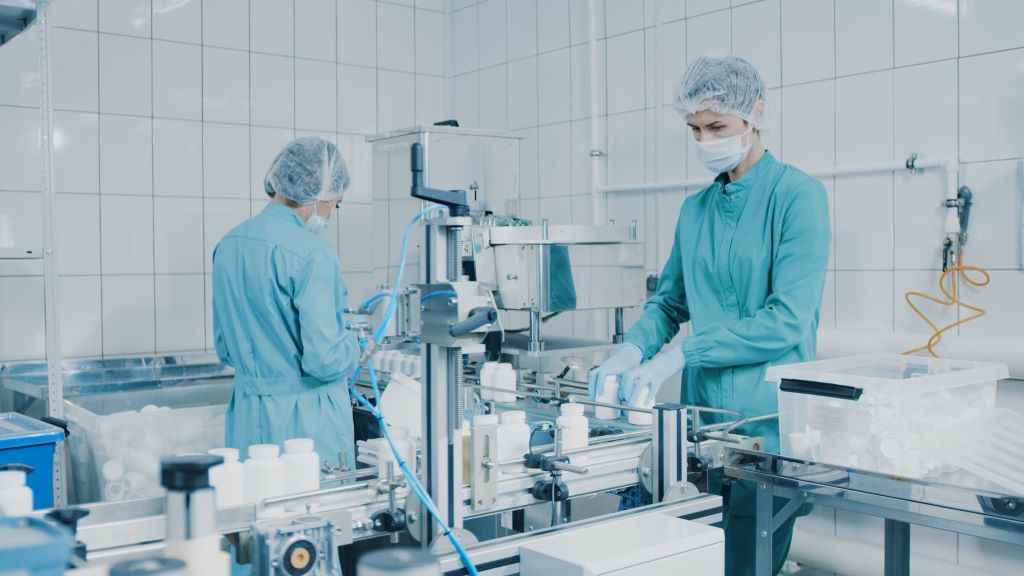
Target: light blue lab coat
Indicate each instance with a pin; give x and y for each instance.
(278, 298)
(747, 270)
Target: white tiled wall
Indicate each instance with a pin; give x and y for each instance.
(849, 82)
(167, 115)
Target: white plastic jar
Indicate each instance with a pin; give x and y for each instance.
(487, 380)
(405, 447)
(513, 439)
(15, 496)
(301, 466)
(575, 430)
(505, 378)
(228, 479)
(264, 473)
(609, 395)
(642, 418)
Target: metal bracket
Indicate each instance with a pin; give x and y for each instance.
(484, 467)
(912, 163)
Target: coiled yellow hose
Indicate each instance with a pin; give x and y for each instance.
(952, 299)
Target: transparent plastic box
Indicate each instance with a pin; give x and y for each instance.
(117, 439)
(883, 412)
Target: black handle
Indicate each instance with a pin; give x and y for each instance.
(455, 200)
(62, 424)
(812, 388)
(477, 317)
(17, 467)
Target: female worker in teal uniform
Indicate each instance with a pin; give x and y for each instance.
(747, 270)
(277, 310)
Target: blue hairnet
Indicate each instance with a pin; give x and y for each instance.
(307, 169)
(727, 85)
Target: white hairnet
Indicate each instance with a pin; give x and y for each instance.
(727, 85)
(307, 169)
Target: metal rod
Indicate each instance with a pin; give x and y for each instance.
(316, 493)
(350, 475)
(631, 438)
(579, 400)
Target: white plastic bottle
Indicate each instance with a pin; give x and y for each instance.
(15, 496)
(228, 479)
(405, 447)
(575, 430)
(513, 439)
(642, 418)
(301, 466)
(264, 473)
(505, 378)
(609, 395)
(487, 380)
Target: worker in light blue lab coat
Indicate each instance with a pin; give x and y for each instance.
(278, 299)
(747, 270)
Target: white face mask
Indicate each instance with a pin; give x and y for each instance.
(317, 223)
(723, 154)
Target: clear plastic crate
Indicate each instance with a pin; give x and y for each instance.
(882, 412)
(117, 439)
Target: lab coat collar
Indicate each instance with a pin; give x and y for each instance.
(751, 178)
(278, 210)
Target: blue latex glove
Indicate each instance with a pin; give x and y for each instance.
(625, 359)
(650, 376)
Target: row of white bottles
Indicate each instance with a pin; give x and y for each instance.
(610, 395)
(498, 375)
(575, 430)
(266, 473)
(513, 439)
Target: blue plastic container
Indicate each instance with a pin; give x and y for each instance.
(28, 441)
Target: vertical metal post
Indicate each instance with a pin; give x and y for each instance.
(668, 448)
(620, 326)
(55, 385)
(897, 548)
(763, 526)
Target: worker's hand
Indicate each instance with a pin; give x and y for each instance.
(650, 376)
(625, 359)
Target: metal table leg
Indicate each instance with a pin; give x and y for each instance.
(764, 521)
(897, 548)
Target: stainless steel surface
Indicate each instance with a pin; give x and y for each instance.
(316, 493)
(483, 478)
(501, 556)
(15, 17)
(958, 502)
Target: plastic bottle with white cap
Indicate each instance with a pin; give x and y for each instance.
(301, 465)
(505, 378)
(642, 418)
(228, 479)
(264, 473)
(609, 395)
(575, 430)
(513, 439)
(15, 496)
(487, 380)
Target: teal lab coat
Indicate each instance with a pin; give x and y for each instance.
(278, 298)
(747, 270)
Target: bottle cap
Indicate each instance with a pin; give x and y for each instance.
(513, 417)
(298, 445)
(485, 419)
(264, 451)
(228, 454)
(572, 409)
(11, 479)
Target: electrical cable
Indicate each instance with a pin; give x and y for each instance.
(952, 298)
(410, 478)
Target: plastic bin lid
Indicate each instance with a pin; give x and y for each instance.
(913, 374)
(18, 431)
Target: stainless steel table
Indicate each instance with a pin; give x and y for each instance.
(955, 502)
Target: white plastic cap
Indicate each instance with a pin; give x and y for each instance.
(572, 409)
(264, 451)
(513, 417)
(297, 445)
(11, 479)
(228, 454)
(485, 419)
(505, 366)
